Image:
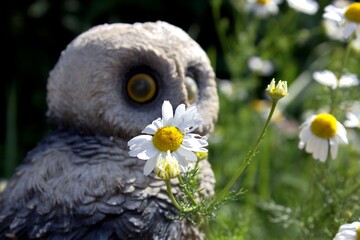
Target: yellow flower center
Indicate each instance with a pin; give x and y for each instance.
(358, 233)
(352, 12)
(263, 2)
(167, 139)
(324, 126)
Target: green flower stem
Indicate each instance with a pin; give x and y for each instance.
(193, 201)
(346, 56)
(246, 161)
(171, 195)
(341, 70)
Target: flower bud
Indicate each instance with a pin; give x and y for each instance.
(167, 168)
(278, 91)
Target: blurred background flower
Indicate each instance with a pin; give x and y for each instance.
(260, 66)
(305, 6)
(329, 79)
(263, 8)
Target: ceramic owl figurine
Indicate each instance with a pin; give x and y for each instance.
(80, 181)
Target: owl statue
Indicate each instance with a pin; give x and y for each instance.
(80, 182)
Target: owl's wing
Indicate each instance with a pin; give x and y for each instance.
(74, 187)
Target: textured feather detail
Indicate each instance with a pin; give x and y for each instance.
(87, 187)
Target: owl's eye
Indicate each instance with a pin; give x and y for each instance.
(192, 89)
(141, 87)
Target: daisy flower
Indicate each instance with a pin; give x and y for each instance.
(332, 28)
(328, 78)
(227, 88)
(263, 8)
(350, 231)
(352, 121)
(172, 135)
(347, 17)
(319, 133)
(306, 6)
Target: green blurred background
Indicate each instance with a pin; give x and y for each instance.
(289, 195)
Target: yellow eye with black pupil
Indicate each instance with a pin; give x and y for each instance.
(141, 88)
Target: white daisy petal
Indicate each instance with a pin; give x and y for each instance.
(348, 231)
(316, 150)
(182, 161)
(143, 155)
(326, 77)
(333, 13)
(349, 28)
(167, 112)
(305, 134)
(342, 135)
(323, 150)
(150, 152)
(311, 144)
(139, 153)
(158, 123)
(194, 146)
(263, 10)
(305, 6)
(150, 165)
(179, 112)
(189, 155)
(332, 16)
(136, 150)
(301, 145)
(139, 140)
(189, 116)
(150, 129)
(348, 80)
(352, 121)
(334, 146)
(141, 143)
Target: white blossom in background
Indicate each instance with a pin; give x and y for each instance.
(350, 231)
(305, 6)
(352, 121)
(332, 28)
(329, 79)
(263, 8)
(348, 18)
(320, 133)
(352, 109)
(260, 66)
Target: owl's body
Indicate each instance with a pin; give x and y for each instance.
(80, 182)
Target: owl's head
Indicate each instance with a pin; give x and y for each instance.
(113, 79)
